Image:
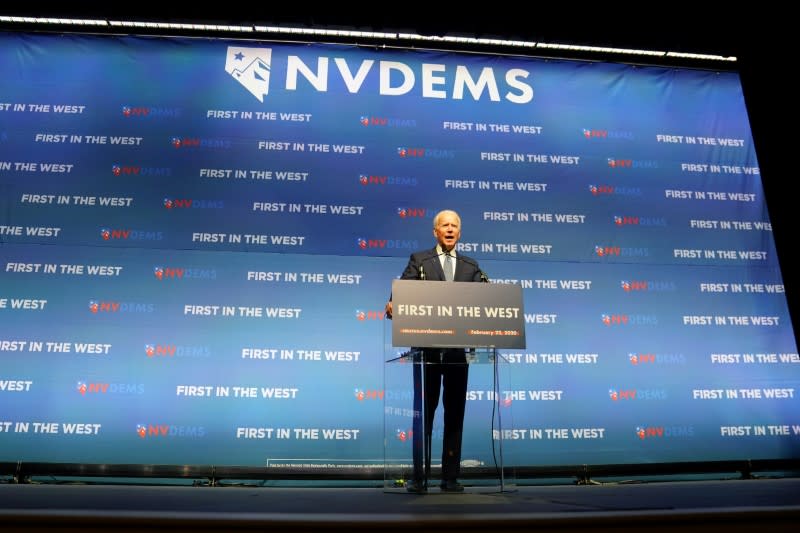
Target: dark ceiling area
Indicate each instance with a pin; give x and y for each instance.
(712, 30)
(759, 37)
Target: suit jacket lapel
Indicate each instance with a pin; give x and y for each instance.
(438, 267)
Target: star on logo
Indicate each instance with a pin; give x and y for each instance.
(251, 68)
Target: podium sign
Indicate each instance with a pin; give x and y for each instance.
(457, 315)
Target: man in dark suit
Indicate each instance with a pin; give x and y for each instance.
(444, 369)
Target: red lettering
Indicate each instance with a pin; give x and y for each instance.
(165, 350)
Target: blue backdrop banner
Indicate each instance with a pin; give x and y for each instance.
(198, 238)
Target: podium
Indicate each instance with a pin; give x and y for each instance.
(434, 330)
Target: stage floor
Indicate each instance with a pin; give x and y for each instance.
(763, 504)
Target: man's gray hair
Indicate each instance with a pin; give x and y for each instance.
(442, 212)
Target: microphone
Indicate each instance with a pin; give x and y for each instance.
(421, 274)
(421, 271)
(481, 273)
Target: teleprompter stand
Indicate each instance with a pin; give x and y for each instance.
(482, 460)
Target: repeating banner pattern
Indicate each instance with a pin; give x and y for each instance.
(198, 237)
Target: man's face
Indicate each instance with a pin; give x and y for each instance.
(448, 231)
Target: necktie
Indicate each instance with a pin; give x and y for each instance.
(448, 267)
